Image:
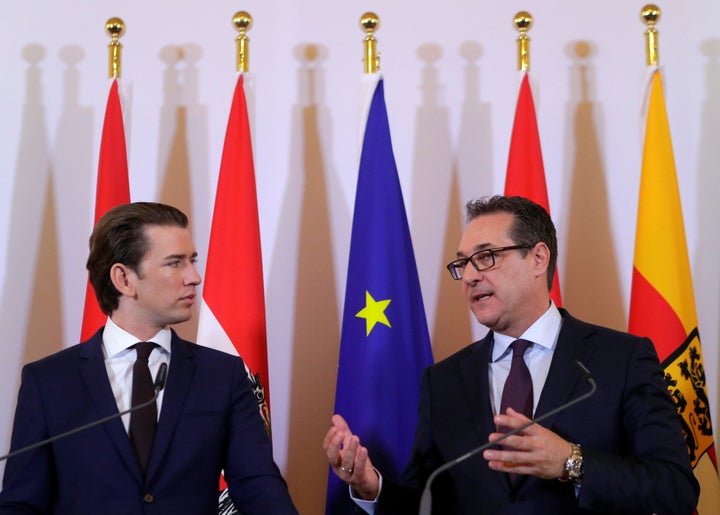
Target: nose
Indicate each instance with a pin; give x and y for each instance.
(193, 277)
(470, 275)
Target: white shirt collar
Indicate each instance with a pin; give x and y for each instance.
(116, 339)
(544, 332)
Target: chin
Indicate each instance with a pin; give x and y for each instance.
(488, 321)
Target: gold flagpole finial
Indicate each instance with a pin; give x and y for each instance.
(242, 22)
(115, 28)
(523, 22)
(650, 15)
(370, 23)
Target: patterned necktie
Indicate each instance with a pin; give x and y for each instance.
(142, 421)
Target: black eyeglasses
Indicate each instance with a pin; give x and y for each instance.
(481, 260)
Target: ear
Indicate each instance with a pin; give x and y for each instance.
(541, 257)
(123, 278)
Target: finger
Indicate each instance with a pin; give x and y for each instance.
(507, 461)
(361, 460)
(517, 442)
(329, 437)
(347, 463)
(339, 422)
(333, 451)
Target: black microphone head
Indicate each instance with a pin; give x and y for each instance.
(583, 370)
(587, 375)
(161, 377)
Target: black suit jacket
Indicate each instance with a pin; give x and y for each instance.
(209, 421)
(635, 458)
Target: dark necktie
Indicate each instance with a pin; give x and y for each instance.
(143, 421)
(518, 390)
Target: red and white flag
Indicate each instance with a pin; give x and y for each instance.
(113, 189)
(525, 171)
(232, 311)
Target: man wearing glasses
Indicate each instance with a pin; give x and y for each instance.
(622, 451)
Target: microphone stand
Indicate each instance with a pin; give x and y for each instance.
(159, 385)
(426, 499)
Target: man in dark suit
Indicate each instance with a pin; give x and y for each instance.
(621, 451)
(142, 268)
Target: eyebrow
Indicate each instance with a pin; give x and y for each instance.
(476, 248)
(181, 256)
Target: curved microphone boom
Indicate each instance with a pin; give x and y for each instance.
(426, 499)
(158, 385)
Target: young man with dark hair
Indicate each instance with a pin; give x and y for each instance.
(166, 458)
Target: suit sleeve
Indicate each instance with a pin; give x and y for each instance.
(254, 480)
(653, 474)
(403, 497)
(28, 482)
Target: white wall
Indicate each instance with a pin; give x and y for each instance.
(450, 72)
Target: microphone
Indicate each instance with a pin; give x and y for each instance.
(159, 384)
(426, 499)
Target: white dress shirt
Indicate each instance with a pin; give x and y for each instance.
(119, 361)
(544, 334)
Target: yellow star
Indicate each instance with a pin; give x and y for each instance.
(373, 312)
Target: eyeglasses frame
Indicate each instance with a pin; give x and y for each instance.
(454, 265)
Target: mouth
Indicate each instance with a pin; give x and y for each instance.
(480, 297)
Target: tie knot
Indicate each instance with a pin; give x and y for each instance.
(519, 347)
(144, 349)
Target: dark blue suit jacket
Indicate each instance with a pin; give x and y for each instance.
(635, 458)
(209, 422)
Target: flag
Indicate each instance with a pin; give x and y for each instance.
(385, 344)
(662, 303)
(113, 189)
(525, 172)
(232, 312)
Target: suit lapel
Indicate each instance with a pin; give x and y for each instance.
(564, 376)
(474, 373)
(180, 374)
(97, 384)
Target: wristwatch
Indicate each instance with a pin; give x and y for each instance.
(574, 465)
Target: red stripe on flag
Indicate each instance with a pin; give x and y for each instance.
(525, 172)
(652, 316)
(113, 188)
(234, 288)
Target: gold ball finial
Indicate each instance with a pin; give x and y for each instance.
(115, 27)
(370, 22)
(242, 21)
(523, 21)
(650, 14)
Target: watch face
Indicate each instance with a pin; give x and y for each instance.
(574, 465)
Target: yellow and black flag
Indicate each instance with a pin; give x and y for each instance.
(662, 303)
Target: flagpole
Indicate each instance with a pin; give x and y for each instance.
(115, 28)
(243, 22)
(112, 187)
(650, 15)
(662, 302)
(523, 23)
(370, 23)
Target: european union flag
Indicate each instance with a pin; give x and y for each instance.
(385, 345)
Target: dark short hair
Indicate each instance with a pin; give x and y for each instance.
(119, 237)
(532, 223)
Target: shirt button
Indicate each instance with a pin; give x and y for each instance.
(148, 498)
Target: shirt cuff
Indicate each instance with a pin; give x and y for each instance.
(365, 505)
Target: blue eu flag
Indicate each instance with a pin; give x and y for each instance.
(385, 345)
